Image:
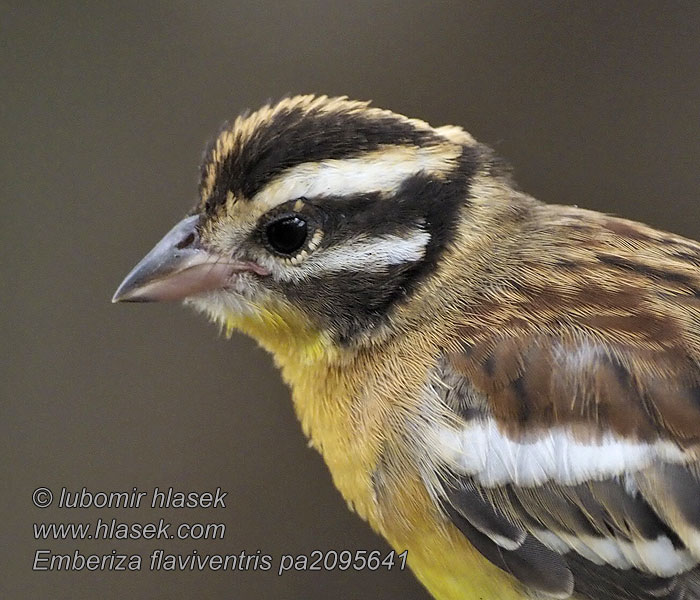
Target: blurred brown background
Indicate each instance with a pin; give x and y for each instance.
(105, 109)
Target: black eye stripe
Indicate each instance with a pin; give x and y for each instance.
(287, 234)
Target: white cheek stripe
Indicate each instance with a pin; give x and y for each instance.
(480, 449)
(363, 254)
(369, 254)
(378, 171)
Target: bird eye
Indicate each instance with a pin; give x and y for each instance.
(287, 234)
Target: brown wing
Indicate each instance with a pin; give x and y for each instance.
(546, 413)
(536, 380)
(598, 320)
(579, 405)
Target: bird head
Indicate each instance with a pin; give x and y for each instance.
(318, 219)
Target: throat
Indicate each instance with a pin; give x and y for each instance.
(328, 406)
(325, 396)
(285, 334)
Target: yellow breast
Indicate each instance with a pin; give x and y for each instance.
(348, 426)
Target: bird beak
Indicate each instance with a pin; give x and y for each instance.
(179, 267)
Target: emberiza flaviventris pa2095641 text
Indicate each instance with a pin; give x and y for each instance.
(507, 389)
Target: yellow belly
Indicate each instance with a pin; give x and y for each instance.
(439, 555)
(458, 572)
(349, 434)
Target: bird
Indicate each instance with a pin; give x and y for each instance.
(507, 390)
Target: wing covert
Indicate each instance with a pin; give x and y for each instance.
(577, 455)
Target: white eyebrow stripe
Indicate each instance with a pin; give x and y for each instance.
(366, 254)
(380, 171)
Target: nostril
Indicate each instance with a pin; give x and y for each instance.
(188, 241)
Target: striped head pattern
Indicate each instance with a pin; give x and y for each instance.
(346, 208)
